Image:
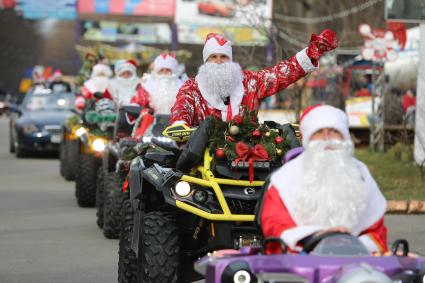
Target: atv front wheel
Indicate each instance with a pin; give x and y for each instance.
(159, 249)
(85, 183)
(113, 204)
(62, 158)
(127, 262)
(100, 196)
(71, 160)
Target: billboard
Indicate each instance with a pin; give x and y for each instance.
(405, 10)
(196, 34)
(48, 9)
(109, 31)
(160, 8)
(224, 12)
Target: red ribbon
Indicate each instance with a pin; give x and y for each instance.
(257, 153)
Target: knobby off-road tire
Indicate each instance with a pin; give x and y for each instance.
(71, 157)
(11, 144)
(113, 204)
(159, 249)
(100, 196)
(127, 262)
(85, 183)
(62, 158)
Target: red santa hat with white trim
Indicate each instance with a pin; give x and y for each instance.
(216, 43)
(99, 69)
(167, 61)
(125, 65)
(317, 117)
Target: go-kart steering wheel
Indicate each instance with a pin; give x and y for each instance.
(311, 242)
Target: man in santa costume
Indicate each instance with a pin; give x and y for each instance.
(161, 86)
(98, 82)
(325, 188)
(126, 85)
(221, 87)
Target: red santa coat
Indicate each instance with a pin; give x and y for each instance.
(141, 97)
(192, 108)
(277, 220)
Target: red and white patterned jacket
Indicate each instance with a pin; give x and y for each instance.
(191, 107)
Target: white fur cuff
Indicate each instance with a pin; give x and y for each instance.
(305, 61)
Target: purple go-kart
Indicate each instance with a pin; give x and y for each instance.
(332, 257)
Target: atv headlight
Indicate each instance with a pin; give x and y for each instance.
(80, 131)
(98, 145)
(29, 129)
(146, 139)
(182, 188)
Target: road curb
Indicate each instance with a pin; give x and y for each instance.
(405, 207)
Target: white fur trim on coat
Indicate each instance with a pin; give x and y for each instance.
(288, 180)
(305, 61)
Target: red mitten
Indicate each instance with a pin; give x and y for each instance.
(319, 44)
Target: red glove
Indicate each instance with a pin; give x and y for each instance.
(319, 44)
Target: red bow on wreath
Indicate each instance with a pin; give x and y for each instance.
(257, 153)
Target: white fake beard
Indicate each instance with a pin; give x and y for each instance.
(164, 92)
(100, 84)
(333, 192)
(220, 79)
(124, 90)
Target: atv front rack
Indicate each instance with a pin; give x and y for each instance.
(208, 180)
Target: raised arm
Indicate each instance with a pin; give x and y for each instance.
(273, 79)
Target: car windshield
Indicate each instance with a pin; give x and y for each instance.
(36, 102)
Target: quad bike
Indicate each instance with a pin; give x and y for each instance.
(331, 257)
(185, 203)
(98, 122)
(72, 129)
(119, 151)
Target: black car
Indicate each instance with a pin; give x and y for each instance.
(35, 125)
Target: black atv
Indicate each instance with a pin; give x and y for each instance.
(186, 203)
(109, 190)
(98, 121)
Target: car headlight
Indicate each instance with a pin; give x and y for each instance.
(29, 129)
(80, 131)
(182, 188)
(98, 145)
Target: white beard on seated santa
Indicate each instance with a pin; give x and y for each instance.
(97, 84)
(123, 90)
(334, 193)
(162, 90)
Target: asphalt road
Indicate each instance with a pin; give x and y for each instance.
(45, 237)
